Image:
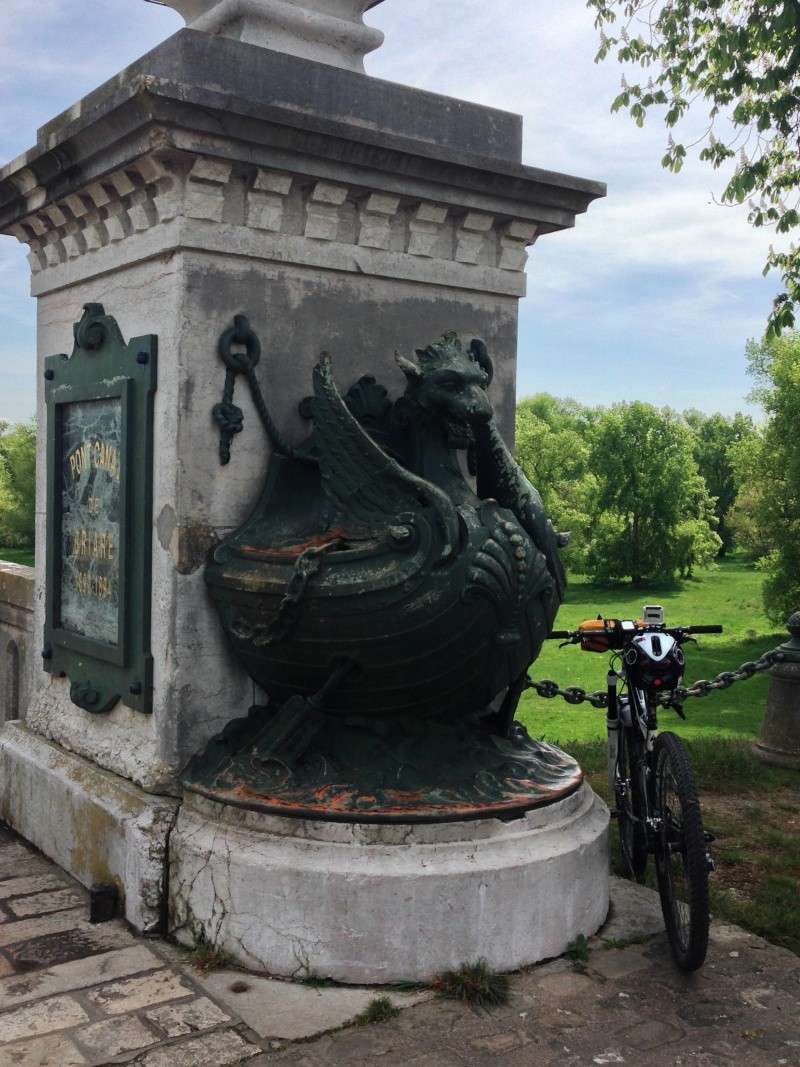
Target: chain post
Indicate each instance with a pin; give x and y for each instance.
(779, 739)
(791, 648)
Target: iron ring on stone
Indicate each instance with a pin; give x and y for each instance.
(239, 334)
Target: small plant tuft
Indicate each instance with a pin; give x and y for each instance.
(578, 950)
(624, 942)
(205, 957)
(474, 983)
(379, 1010)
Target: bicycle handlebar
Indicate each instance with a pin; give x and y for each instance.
(576, 635)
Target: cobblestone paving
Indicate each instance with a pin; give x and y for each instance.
(76, 994)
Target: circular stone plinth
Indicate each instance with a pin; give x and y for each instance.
(386, 903)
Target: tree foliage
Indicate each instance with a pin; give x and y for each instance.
(17, 483)
(553, 447)
(653, 515)
(624, 482)
(742, 58)
(715, 439)
(768, 466)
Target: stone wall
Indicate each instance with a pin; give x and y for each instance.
(17, 644)
(338, 213)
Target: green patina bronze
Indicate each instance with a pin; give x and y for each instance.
(99, 515)
(388, 606)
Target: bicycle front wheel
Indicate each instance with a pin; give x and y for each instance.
(680, 854)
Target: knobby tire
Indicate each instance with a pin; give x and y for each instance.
(680, 854)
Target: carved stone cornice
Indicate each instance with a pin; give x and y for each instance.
(209, 143)
(271, 215)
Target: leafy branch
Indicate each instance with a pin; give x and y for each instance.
(742, 58)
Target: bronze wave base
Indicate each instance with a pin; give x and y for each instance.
(359, 769)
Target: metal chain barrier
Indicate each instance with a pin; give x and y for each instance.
(573, 694)
(308, 564)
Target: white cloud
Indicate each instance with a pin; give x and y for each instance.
(657, 254)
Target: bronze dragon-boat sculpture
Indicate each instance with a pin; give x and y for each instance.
(388, 604)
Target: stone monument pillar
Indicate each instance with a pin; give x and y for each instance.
(244, 165)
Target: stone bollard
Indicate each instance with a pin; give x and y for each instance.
(780, 732)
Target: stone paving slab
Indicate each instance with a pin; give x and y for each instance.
(77, 995)
(77, 974)
(292, 1011)
(42, 903)
(48, 1051)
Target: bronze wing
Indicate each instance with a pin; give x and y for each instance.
(501, 477)
(370, 489)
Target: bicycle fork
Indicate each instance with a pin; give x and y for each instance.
(612, 727)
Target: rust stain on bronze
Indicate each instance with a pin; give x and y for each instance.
(292, 551)
(333, 801)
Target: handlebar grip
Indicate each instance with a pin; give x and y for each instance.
(559, 635)
(704, 629)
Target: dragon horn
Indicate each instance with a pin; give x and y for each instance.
(480, 353)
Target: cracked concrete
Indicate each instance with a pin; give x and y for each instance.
(73, 994)
(385, 903)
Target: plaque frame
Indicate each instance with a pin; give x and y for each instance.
(102, 367)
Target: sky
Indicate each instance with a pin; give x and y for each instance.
(651, 296)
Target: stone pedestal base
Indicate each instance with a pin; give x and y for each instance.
(776, 757)
(94, 824)
(779, 743)
(386, 903)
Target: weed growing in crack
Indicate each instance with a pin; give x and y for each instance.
(316, 982)
(476, 983)
(379, 1010)
(624, 942)
(578, 950)
(206, 957)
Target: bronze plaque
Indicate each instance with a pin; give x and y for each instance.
(91, 468)
(99, 515)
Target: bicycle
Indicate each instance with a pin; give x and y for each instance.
(650, 775)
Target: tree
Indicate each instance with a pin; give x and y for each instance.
(653, 515)
(17, 483)
(769, 468)
(553, 448)
(742, 58)
(715, 438)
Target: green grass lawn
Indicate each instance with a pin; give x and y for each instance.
(729, 595)
(17, 555)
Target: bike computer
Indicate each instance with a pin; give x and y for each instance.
(653, 615)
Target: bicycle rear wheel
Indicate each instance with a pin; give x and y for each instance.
(629, 805)
(680, 854)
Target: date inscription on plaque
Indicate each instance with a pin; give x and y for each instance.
(91, 446)
(99, 521)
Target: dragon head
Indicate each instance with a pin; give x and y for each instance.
(449, 381)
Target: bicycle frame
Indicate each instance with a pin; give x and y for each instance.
(635, 714)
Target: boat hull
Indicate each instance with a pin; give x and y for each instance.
(423, 639)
